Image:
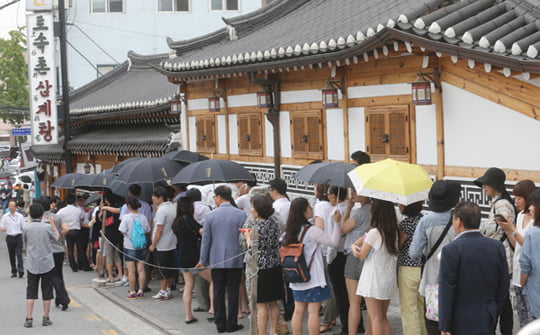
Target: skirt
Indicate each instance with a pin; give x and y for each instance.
(269, 285)
(315, 294)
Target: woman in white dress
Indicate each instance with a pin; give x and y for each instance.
(379, 250)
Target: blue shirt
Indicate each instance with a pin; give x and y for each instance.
(530, 266)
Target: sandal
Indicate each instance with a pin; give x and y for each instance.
(326, 326)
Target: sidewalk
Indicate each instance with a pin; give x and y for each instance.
(169, 315)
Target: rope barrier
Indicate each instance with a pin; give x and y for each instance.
(191, 270)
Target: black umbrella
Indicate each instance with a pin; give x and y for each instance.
(148, 170)
(328, 173)
(212, 171)
(68, 180)
(25, 179)
(120, 165)
(94, 198)
(185, 156)
(96, 181)
(120, 188)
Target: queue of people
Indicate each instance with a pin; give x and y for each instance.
(452, 271)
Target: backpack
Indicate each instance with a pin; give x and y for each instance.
(138, 239)
(293, 262)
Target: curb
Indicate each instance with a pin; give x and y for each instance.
(149, 319)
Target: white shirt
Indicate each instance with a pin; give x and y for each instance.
(71, 215)
(165, 215)
(84, 215)
(244, 203)
(516, 274)
(200, 211)
(282, 206)
(12, 223)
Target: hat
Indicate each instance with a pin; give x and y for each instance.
(444, 195)
(493, 177)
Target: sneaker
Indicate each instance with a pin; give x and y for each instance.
(162, 295)
(46, 321)
(132, 295)
(28, 323)
(121, 283)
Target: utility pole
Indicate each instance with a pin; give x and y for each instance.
(65, 84)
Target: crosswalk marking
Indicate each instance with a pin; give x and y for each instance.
(109, 332)
(73, 303)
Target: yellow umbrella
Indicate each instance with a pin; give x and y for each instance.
(391, 180)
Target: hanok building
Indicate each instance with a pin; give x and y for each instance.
(318, 79)
(125, 113)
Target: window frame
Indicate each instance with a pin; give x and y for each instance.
(175, 11)
(386, 111)
(206, 148)
(223, 7)
(107, 8)
(98, 66)
(252, 148)
(307, 153)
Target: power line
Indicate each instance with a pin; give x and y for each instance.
(8, 4)
(95, 43)
(119, 29)
(83, 56)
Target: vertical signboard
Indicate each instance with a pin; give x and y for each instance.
(42, 78)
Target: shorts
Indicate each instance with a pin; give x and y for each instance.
(134, 255)
(353, 267)
(164, 259)
(315, 294)
(46, 285)
(111, 253)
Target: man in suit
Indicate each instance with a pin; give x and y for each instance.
(473, 279)
(219, 246)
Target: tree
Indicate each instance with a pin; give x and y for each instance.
(13, 78)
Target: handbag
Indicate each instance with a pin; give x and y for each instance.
(432, 302)
(293, 263)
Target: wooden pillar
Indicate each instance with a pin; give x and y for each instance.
(345, 109)
(226, 110)
(440, 132)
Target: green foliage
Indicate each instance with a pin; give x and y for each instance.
(13, 77)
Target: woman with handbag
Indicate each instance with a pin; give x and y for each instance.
(379, 249)
(269, 275)
(308, 295)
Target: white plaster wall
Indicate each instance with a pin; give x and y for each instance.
(221, 134)
(357, 130)
(285, 130)
(183, 127)
(242, 100)
(192, 134)
(480, 133)
(269, 138)
(233, 134)
(197, 104)
(290, 97)
(426, 135)
(334, 134)
(378, 90)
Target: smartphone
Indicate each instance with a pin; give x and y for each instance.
(499, 217)
(243, 230)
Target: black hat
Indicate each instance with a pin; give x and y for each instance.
(493, 177)
(444, 195)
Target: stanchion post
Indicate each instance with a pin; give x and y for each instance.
(253, 278)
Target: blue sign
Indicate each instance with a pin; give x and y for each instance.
(21, 132)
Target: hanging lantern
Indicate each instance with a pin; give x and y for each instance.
(264, 99)
(214, 104)
(87, 168)
(421, 91)
(330, 98)
(176, 105)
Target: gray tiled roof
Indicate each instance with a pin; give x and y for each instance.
(143, 140)
(52, 153)
(499, 32)
(131, 86)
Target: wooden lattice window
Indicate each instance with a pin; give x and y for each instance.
(388, 132)
(250, 134)
(307, 135)
(206, 134)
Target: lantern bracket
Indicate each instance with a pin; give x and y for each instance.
(221, 94)
(338, 84)
(432, 77)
